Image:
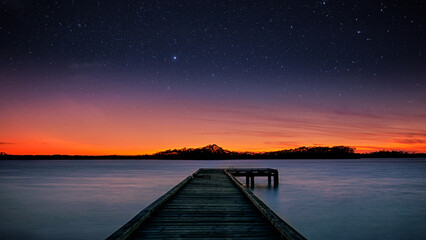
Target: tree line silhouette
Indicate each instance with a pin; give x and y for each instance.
(214, 152)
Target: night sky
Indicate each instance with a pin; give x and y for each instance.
(134, 77)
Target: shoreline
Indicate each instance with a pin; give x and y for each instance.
(138, 158)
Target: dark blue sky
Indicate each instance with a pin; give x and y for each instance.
(322, 38)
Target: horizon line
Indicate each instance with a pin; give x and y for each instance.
(382, 149)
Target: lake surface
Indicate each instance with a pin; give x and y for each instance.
(322, 199)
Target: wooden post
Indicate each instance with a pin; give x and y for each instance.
(276, 179)
(269, 179)
(247, 181)
(252, 180)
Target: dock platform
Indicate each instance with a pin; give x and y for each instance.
(210, 204)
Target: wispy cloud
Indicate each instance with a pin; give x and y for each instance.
(289, 127)
(282, 144)
(364, 114)
(410, 141)
(248, 133)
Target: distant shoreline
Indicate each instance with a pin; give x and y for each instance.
(141, 158)
(214, 152)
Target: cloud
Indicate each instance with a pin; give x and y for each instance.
(409, 141)
(364, 114)
(282, 144)
(248, 133)
(319, 144)
(413, 134)
(5, 143)
(275, 124)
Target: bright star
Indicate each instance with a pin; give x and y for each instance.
(174, 57)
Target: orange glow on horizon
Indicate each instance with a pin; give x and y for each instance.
(78, 128)
(128, 121)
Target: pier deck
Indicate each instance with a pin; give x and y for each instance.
(210, 204)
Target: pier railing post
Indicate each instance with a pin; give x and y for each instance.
(269, 179)
(276, 179)
(247, 181)
(252, 180)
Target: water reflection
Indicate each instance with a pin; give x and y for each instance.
(326, 199)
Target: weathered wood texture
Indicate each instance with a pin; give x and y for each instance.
(212, 205)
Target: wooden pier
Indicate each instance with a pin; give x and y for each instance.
(210, 204)
(250, 173)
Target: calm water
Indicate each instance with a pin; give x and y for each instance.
(323, 199)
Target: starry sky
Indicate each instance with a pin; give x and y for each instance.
(136, 77)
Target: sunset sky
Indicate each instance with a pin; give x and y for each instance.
(136, 77)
